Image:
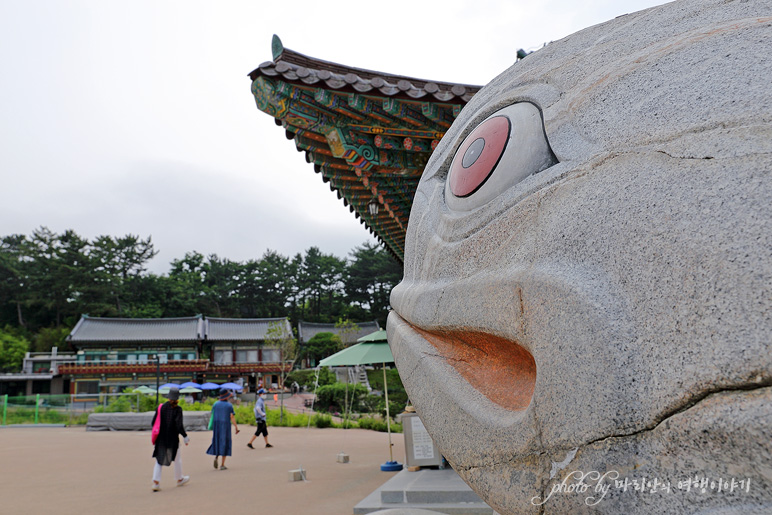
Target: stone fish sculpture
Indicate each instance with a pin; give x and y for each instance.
(588, 274)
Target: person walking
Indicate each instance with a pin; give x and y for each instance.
(223, 416)
(166, 450)
(262, 426)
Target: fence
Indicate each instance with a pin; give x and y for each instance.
(66, 409)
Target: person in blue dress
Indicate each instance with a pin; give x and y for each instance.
(223, 416)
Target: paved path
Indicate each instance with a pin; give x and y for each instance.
(72, 471)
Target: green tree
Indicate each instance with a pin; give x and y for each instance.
(12, 278)
(371, 275)
(278, 337)
(49, 337)
(59, 271)
(320, 279)
(210, 283)
(346, 330)
(12, 350)
(266, 287)
(115, 262)
(320, 346)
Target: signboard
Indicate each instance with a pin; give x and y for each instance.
(419, 447)
(423, 447)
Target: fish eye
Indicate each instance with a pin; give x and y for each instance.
(501, 151)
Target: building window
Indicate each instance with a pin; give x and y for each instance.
(246, 356)
(143, 359)
(223, 357)
(271, 355)
(41, 367)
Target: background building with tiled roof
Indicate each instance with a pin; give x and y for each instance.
(247, 348)
(115, 353)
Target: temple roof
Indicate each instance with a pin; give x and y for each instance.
(369, 134)
(111, 330)
(245, 329)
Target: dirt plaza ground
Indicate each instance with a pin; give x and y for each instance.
(74, 471)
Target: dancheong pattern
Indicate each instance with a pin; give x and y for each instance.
(369, 134)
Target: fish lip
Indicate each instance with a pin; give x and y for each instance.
(499, 368)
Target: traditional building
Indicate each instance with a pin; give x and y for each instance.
(114, 353)
(368, 134)
(249, 348)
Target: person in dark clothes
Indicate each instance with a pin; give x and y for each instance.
(167, 444)
(260, 422)
(223, 415)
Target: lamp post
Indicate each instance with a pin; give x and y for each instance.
(373, 207)
(157, 376)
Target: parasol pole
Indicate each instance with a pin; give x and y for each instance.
(388, 418)
(391, 465)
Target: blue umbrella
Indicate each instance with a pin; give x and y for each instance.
(190, 384)
(231, 386)
(210, 386)
(169, 385)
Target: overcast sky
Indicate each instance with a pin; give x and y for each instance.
(137, 118)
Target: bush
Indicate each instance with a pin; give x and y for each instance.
(308, 377)
(397, 395)
(321, 421)
(332, 398)
(377, 424)
(120, 404)
(272, 418)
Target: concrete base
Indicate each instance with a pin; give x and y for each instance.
(440, 491)
(297, 475)
(192, 420)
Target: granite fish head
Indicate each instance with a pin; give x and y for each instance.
(588, 251)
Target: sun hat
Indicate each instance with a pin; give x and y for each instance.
(225, 394)
(174, 394)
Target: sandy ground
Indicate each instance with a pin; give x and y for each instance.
(72, 471)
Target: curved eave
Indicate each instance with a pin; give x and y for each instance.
(368, 134)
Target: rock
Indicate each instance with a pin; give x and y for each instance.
(602, 299)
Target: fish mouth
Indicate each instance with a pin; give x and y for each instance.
(499, 368)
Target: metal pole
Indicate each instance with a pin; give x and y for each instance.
(345, 404)
(37, 407)
(388, 418)
(158, 377)
(5, 406)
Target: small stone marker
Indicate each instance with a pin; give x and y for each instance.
(297, 475)
(342, 457)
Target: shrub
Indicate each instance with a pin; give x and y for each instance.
(377, 424)
(332, 398)
(307, 377)
(321, 421)
(272, 418)
(397, 395)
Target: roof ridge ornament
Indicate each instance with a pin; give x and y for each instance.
(276, 47)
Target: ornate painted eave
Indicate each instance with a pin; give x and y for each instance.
(369, 134)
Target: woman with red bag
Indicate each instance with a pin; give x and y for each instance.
(167, 443)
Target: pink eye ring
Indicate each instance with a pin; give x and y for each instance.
(478, 156)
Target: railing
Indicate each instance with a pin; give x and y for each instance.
(59, 409)
(240, 368)
(122, 366)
